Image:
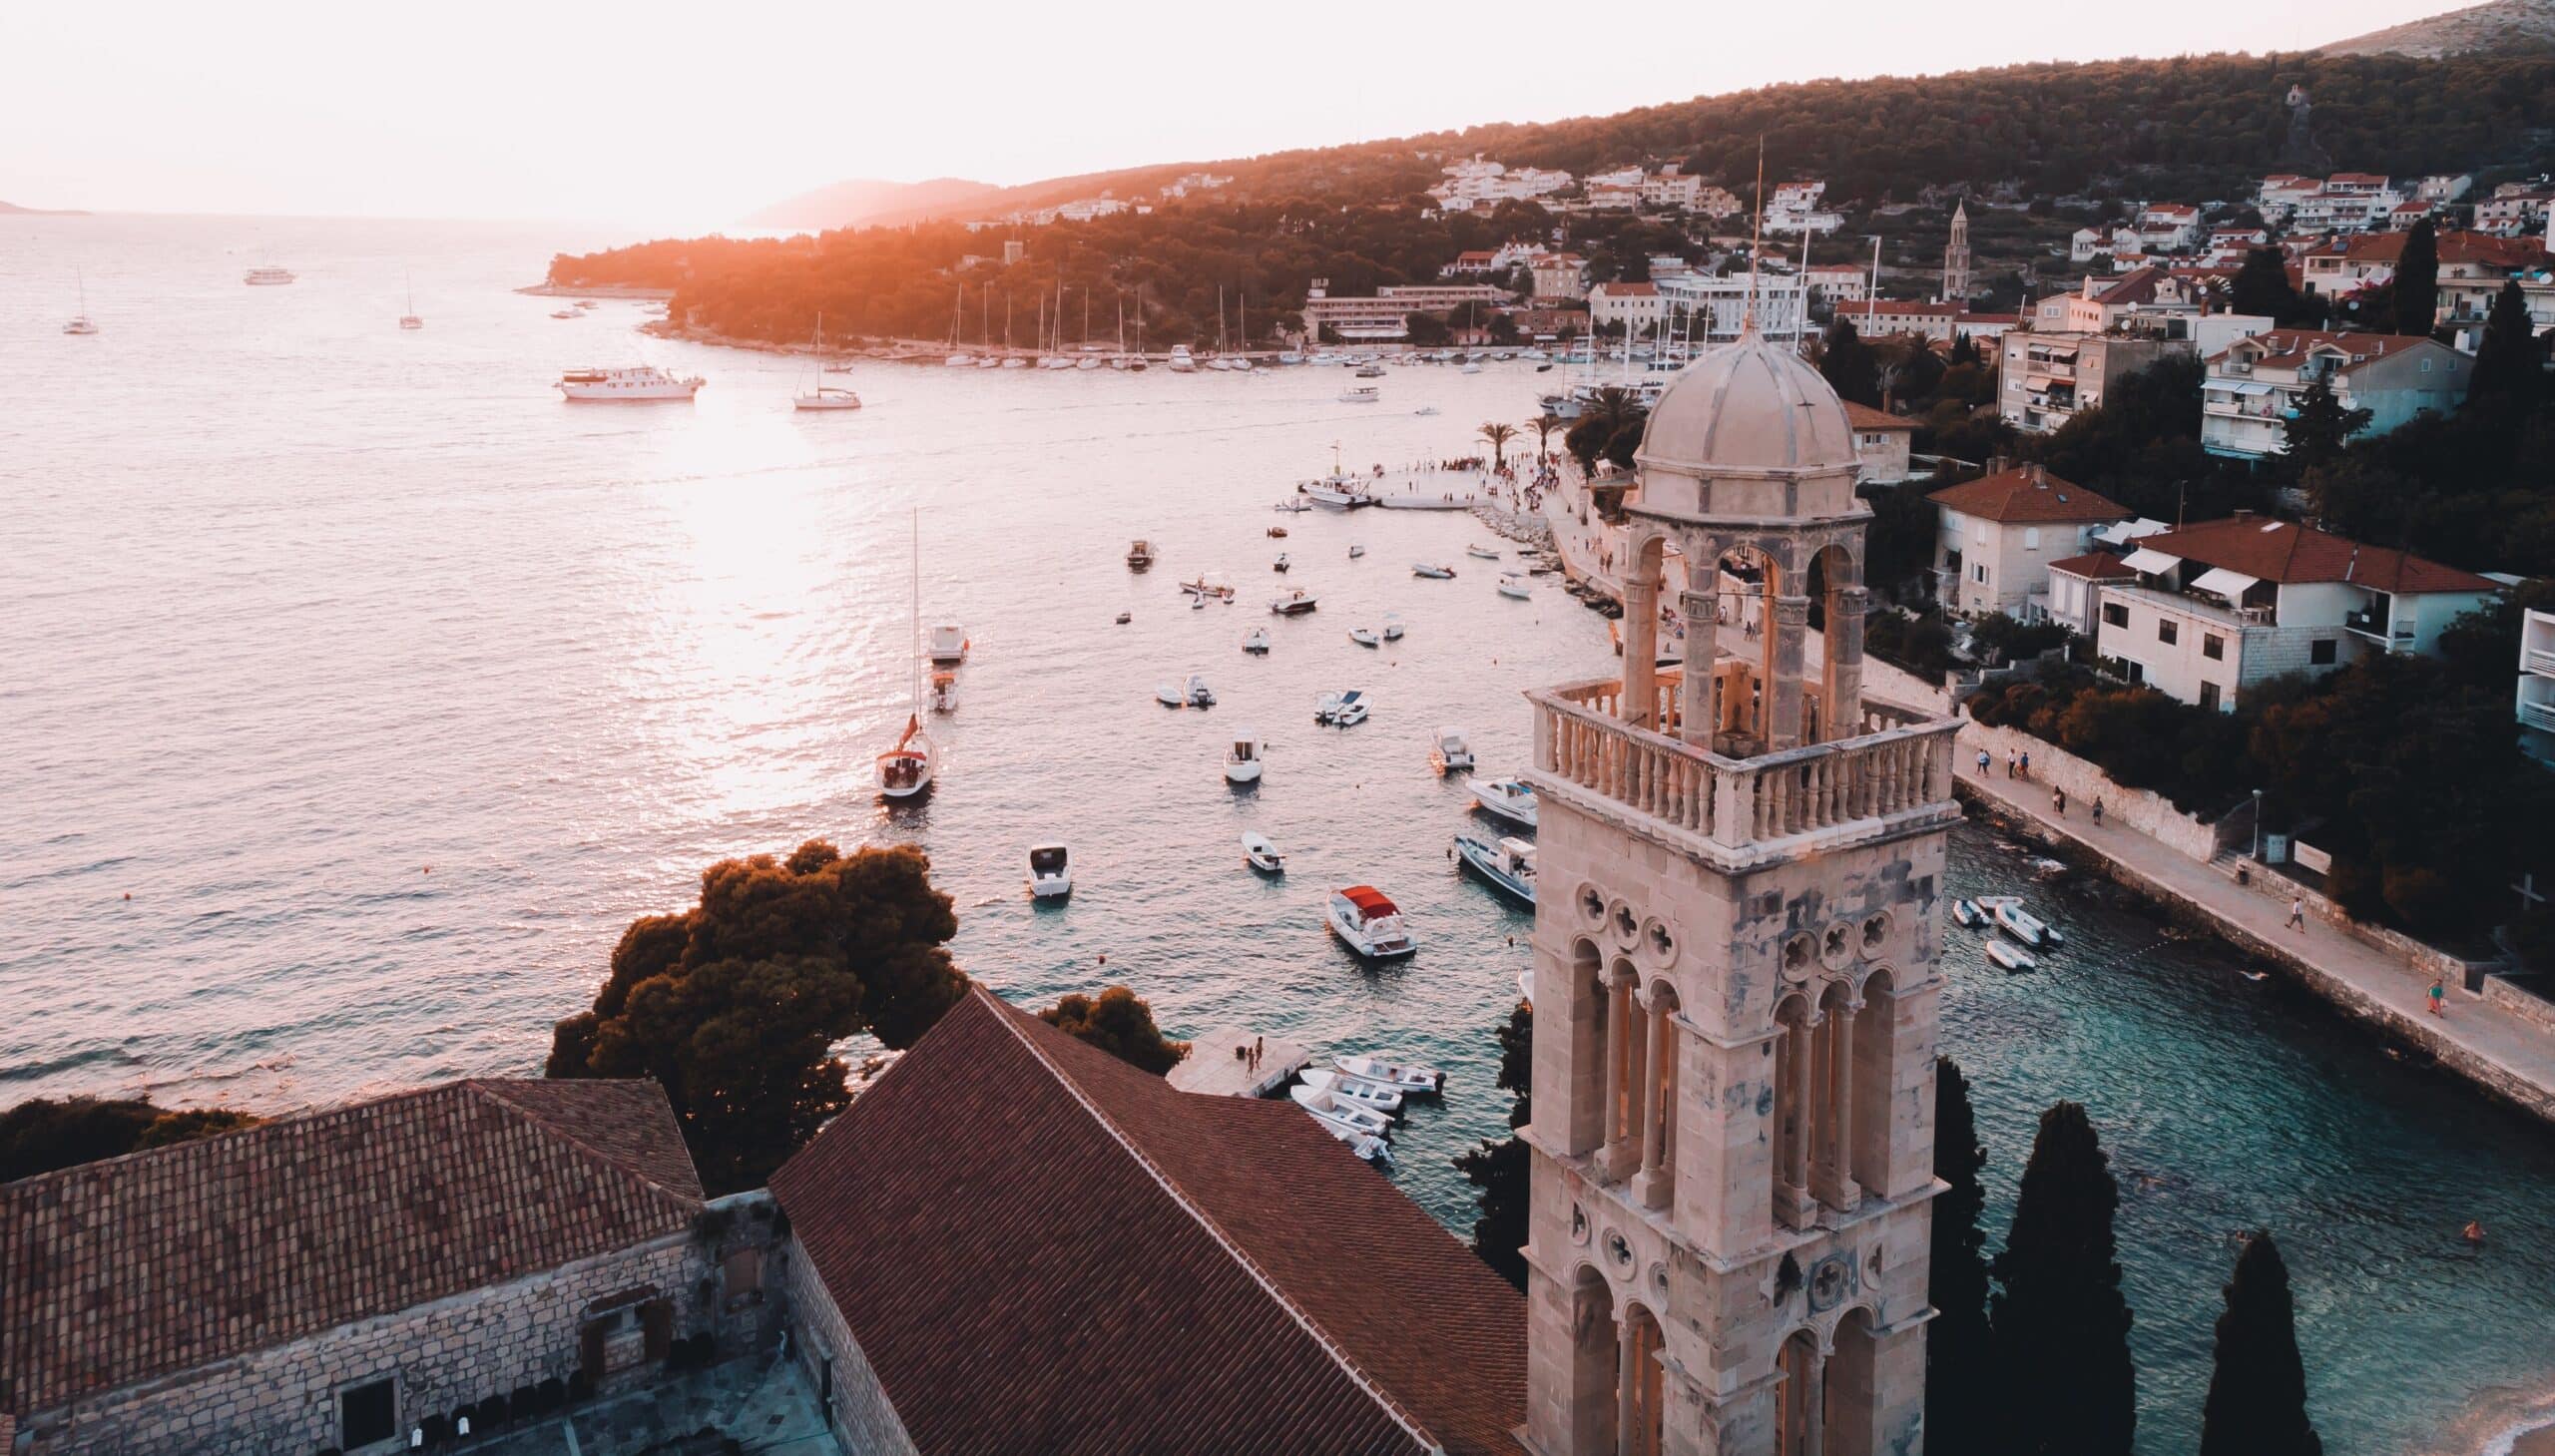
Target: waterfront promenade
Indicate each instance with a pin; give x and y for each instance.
(2511, 1058)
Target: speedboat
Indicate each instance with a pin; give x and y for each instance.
(1280, 563)
(1353, 1089)
(2010, 956)
(1198, 693)
(1243, 761)
(1452, 754)
(1051, 876)
(1361, 394)
(1352, 709)
(1168, 694)
(1181, 362)
(1967, 913)
(1255, 640)
(1326, 707)
(1365, 1146)
(1340, 1109)
(1294, 604)
(1425, 409)
(1355, 551)
(904, 771)
(1513, 583)
(1366, 637)
(1434, 571)
(1486, 553)
(1402, 1077)
(1370, 372)
(1371, 924)
(1508, 863)
(1505, 797)
(2023, 925)
(1205, 587)
(960, 361)
(1261, 855)
(948, 642)
(1393, 627)
(1140, 556)
(945, 693)
(630, 384)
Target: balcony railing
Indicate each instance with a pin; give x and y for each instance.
(1898, 761)
(2369, 622)
(2539, 662)
(2538, 714)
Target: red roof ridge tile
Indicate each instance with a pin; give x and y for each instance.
(654, 1172)
(1012, 1019)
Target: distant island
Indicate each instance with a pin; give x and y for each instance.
(43, 211)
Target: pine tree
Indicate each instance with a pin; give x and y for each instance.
(2261, 286)
(2318, 425)
(2257, 1392)
(1960, 1389)
(2416, 284)
(1849, 366)
(2065, 1382)
(2509, 365)
(1963, 350)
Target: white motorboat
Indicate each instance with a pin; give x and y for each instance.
(565, 313)
(1365, 1146)
(1425, 409)
(1513, 583)
(1015, 363)
(1355, 551)
(1352, 709)
(1434, 571)
(1366, 637)
(1261, 855)
(1353, 1089)
(1294, 604)
(1255, 641)
(1181, 362)
(1486, 553)
(1280, 563)
(265, 276)
(906, 769)
(1051, 876)
(1507, 799)
(960, 361)
(1293, 506)
(1508, 863)
(1139, 554)
(1361, 394)
(1322, 1104)
(1198, 693)
(1371, 924)
(1403, 1077)
(1326, 707)
(2023, 925)
(1244, 759)
(1967, 913)
(2011, 956)
(637, 384)
(585, 306)
(945, 693)
(1452, 753)
(1168, 694)
(1393, 627)
(1469, 368)
(1208, 588)
(823, 395)
(948, 644)
(1370, 372)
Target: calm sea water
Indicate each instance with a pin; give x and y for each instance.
(389, 688)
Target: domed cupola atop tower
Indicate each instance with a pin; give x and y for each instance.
(1749, 430)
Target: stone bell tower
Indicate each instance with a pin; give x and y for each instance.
(1956, 285)
(1741, 863)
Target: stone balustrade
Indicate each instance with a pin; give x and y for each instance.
(1900, 761)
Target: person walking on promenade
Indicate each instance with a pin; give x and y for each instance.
(2009, 763)
(2439, 997)
(2296, 914)
(2027, 763)
(2058, 802)
(1982, 762)
(2098, 811)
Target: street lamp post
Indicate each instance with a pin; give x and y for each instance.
(2258, 826)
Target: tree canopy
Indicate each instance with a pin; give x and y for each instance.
(2064, 1375)
(1498, 1168)
(43, 1134)
(1121, 1023)
(2257, 1402)
(1961, 1387)
(735, 1005)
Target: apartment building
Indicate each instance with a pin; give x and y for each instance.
(1996, 536)
(2253, 385)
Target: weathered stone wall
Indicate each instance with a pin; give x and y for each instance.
(2147, 812)
(443, 1356)
(856, 1409)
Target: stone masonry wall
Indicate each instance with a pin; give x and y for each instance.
(2144, 810)
(445, 1356)
(857, 1409)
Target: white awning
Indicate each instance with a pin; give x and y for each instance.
(2228, 583)
(2150, 562)
(2246, 388)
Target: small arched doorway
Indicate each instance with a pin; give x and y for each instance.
(1847, 1416)
(1799, 1406)
(1641, 1388)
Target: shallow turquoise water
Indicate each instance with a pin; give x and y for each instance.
(390, 687)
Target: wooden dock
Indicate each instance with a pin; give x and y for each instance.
(1217, 1066)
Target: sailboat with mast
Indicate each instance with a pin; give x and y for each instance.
(906, 769)
(824, 395)
(80, 322)
(410, 320)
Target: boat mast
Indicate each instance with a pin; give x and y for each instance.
(914, 623)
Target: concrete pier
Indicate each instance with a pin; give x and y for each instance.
(1217, 1066)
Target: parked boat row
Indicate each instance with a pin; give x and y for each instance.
(1357, 1097)
(2005, 913)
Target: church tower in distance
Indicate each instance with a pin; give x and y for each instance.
(1956, 285)
(1742, 869)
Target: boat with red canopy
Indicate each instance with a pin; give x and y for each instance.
(1370, 923)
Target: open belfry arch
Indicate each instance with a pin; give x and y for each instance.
(1734, 969)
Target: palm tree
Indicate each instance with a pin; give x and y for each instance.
(1499, 435)
(1543, 425)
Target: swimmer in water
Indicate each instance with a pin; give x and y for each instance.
(2473, 1232)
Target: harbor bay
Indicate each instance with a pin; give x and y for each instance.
(389, 689)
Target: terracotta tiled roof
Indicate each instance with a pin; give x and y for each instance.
(1630, 290)
(2027, 494)
(161, 1262)
(2100, 566)
(2138, 286)
(1865, 418)
(1898, 308)
(2287, 347)
(1041, 1249)
(2282, 550)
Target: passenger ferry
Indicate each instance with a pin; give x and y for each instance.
(265, 276)
(628, 385)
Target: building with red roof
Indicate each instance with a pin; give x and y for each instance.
(1996, 536)
(2218, 606)
(2253, 385)
(1934, 322)
(1882, 442)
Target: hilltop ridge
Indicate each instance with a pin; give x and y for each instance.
(2502, 25)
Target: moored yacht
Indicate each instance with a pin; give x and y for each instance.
(80, 323)
(948, 644)
(265, 276)
(1261, 855)
(1139, 554)
(1508, 863)
(1508, 799)
(1350, 710)
(1050, 871)
(1453, 753)
(1366, 1146)
(1209, 587)
(1369, 923)
(1321, 1103)
(906, 769)
(637, 383)
(1361, 394)
(1513, 583)
(1404, 1077)
(945, 693)
(412, 318)
(1255, 641)
(1295, 603)
(1437, 571)
(1243, 761)
(823, 395)
(1356, 1089)
(1393, 627)
(1181, 362)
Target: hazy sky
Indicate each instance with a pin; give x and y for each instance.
(689, 115)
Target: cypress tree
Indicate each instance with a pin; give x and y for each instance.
(2257, 1392)
(2261, 286)
(2509, 365)
(1498, 1168)
(1960, 1390)
(1849, 366)
(2061, 1324)
(2416, 284)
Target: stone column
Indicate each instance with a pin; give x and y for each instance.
(1641, 649)
(1792, 1201)
(1620, 1031)
(1695, 694)
(1813, 1408)
(1636, 1091)
(1570, 1368)
(1653, 1187)
(1841, 1193)
(1626, 1387)
(1843, 666)
(1786, 641)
